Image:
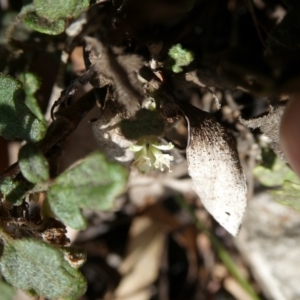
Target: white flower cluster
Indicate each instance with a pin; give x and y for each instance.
(148, 155)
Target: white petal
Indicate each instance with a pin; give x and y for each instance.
(163, 147)
(136, 147)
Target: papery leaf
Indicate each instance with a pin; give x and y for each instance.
(94, 184)
(288, 194)
(121, 68)
(33, 164)
(214, 167)
(39, 268)
(269, 124)
(17, 121)
(109, 137)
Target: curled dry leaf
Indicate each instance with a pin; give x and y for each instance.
(269, 124)
(118, 67)
(214, 167)
(109, 137)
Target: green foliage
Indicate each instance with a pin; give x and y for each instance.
(56, 9)
(33, 164)
(276, 175)
(94, 184)
(288, 195)
(40, 24)
(39, 268)
(268, 157)
(181, 56)
(49, 17)
(7, 291)
(285, 182)
(17, 121)
(31, 84)
(14, 190)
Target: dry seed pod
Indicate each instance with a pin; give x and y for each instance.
(214, 167)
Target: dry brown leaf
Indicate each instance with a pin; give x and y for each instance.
(214, 167)
(142, 264)
(269, 124)
(109, 137)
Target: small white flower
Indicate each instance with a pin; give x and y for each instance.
(163, 147)
(160, 158)
(143, 163)
(148, 155)
(163, 159)
(150, 104)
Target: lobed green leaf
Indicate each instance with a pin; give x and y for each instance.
(275, 176)
(94, 184)
(33, 164)
(56, 9)
(7, 291)
(181, 57)
(43, 25)
(31, 84)
(39, 268)
(14, 190)
(288, 195)
(17, 121)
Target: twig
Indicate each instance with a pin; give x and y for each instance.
(221, 251)
(249, 5)
(58, 85)
(53, 143)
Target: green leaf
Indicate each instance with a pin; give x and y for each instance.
(14, 190)
(56, 9)
(49, 17)
(288, 195)
(33, 164)
(275, 176)
(181, 56)
(39, 268)
(31, 84)
(7, 291)
(94, 184)
(17, 121)
(43, 25)
(285, 181)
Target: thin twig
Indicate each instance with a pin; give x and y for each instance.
(53, 143)
(249, 5)
(58, 85)
(221, 251)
